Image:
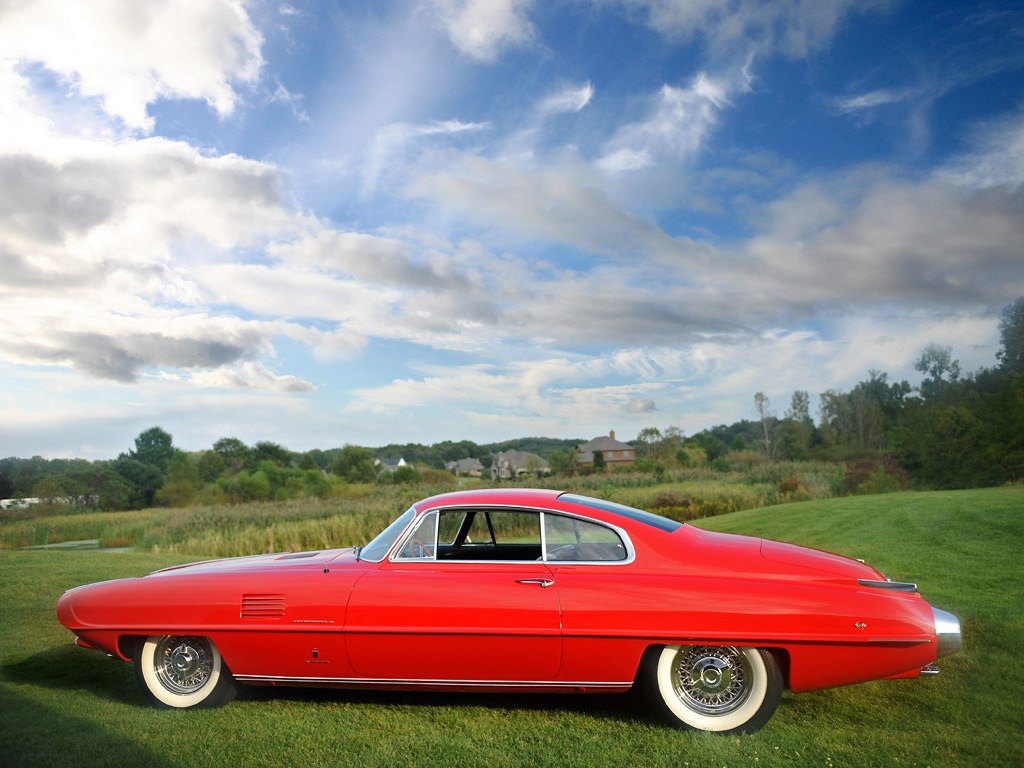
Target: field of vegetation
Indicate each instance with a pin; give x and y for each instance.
(358, 513)
(62, 704)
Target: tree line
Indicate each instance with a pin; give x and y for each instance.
(157, 473)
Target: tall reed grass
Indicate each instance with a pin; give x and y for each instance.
(361, 511)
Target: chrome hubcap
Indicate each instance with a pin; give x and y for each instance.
(183, 664)
(713, 681)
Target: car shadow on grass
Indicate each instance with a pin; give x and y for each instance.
(625, 707)
(70, 668)
(34, 735)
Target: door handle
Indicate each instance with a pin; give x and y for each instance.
(545, 583)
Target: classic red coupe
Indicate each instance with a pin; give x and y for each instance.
(524, 590)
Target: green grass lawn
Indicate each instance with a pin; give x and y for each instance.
(61, 705)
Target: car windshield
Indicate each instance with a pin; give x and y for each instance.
(378, 549)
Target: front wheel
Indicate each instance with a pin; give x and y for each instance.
(178, 672)
(712, 688)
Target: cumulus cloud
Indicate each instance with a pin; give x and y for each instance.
(876, 238)
(482, 28)
(250, 375)
(97, 241)
(642, 405)
(192, 49)
(123, 356)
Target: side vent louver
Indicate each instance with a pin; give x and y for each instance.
(262, 606)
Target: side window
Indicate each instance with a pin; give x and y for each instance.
(489, 535)
(421, 541)
(508, 527)
(568, 539)
(449, 526)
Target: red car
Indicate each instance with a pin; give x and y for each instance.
(522, 590)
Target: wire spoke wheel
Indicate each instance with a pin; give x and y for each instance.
(711, 680)
(183, 664)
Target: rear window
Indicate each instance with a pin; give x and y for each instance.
(657, 521)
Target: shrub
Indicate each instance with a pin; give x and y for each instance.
(721, 464)
(872, 476)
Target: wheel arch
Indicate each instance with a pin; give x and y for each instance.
(781, 656)
(128, 646)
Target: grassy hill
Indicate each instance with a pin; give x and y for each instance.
(64, 705)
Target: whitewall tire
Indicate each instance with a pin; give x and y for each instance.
(713, 688)
(182, 671)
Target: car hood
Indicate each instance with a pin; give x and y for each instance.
(264, 563)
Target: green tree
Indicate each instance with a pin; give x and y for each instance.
(762, 407)
(599, 462)
(182, 483)
(268, 451)
(211, 464)
(143, 481)
(649, 437)
(354, 464)
(403, 475)
(154, 447)
(939, 367)
(51, 490)
(1011, 337)
(234, 453)
(561, 463)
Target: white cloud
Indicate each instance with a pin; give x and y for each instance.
(995, 159)
(868, 238)
(250, 375)
(482, 28)
(622, 160)
(97, 244)
(870, 100)
(676, 127)
(393, 143)
(570, 99)
(192, 49)
(692, 385)
(792, 27)
(561, 203)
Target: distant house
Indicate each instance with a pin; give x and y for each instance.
(615, 454)
(465, 467)
(389, 465)
(509, 465)
(91, 500)
(19, 503)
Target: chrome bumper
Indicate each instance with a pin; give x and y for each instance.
(948, 639)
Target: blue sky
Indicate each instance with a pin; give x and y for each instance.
(323, 223)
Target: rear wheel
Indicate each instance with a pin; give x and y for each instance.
(712, 688)
(182, 671)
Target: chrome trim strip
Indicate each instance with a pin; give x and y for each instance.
(895, 586)
(433, 683)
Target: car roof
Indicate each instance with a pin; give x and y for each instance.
(556, 500)
(492, 496)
